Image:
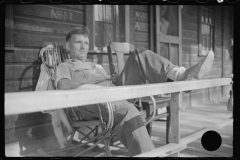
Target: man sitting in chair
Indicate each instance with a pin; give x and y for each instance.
(79, 72)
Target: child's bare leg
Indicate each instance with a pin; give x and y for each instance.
(65, 121)
(57, 128)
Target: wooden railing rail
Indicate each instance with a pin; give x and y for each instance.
(26, 102)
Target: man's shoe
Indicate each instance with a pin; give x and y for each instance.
(199, 70)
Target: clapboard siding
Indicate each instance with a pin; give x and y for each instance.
(142, 27)
(21, 56)
(141, 8)
(191, 34)
(189, 18)
(17, 85)
(33, 39)
(190, 50)
(216, 70)
(191, 10)
(188, 41)
(42, 25)
(186, 57)
(227, 35)
(19, 70)
(142, 44)
(141, 37)
(33, 26)
(190, 26)
(141, 19)
(50, 12)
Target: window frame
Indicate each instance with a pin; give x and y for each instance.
(202, 52)
(162, 38)
(90, 23)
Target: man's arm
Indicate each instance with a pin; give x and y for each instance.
(66, 84)
(114, 79)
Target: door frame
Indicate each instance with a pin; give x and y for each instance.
(156, 37)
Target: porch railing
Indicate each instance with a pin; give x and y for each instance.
(26, 102)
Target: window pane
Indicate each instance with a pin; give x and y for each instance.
(174, 54)
(116, 12)
(99, 34)
(164, 50)
(109, 25)
(99, 12)
(202, 17)
(211, 31)
(206, 29)
(169, 20)
(109, 13)
(206, 15)
(204, 43)
(109, 34)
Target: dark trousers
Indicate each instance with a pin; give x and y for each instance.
(141, 65)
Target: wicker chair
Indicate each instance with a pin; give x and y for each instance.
(52, 55)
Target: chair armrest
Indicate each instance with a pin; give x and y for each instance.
(159, 100)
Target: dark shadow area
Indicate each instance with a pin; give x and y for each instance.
(36, 72)
(30, 127)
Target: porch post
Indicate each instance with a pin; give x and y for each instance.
(175, 105)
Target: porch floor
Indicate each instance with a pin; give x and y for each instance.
(192, 120)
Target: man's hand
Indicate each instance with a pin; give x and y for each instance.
(114, 78)
(90, 86)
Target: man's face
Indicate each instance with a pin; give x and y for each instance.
(78, 46)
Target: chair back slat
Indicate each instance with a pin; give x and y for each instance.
(120, 49)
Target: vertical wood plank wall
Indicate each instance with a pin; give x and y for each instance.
(190, 50)
(189, 43)
(141, 26)
(31, 26)
(227, 35)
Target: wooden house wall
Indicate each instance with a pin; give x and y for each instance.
(189, 43)
(141, 26)
(227, 35)
(190, 50)
(32, 27)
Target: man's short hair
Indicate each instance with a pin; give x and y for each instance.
(78, 30)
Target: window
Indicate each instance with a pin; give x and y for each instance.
(109, 25)
(168, 20)
(168, 28)
(206, 30)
